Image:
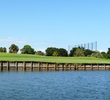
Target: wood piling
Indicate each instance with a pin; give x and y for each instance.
(39, 66)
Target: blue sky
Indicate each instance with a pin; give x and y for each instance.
(54, 23)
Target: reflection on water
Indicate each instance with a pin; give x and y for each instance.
(58, 85)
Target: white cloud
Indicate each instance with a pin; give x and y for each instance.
(12, 40)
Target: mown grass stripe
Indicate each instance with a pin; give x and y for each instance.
(25, 57)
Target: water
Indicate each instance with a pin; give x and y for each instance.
(61, 85)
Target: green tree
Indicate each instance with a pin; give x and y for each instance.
(88, 52)
(79, 52)
(104, 54)
(13, 48)
(27, 49)
(97, 55)
(55, 53)
(40, 53)
(108, 51)
(3, 49)
(0, 49)
(62, 52)
(50, 50)
(72, 52)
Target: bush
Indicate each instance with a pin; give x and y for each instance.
(97, 55)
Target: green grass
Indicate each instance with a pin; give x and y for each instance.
(25, 57)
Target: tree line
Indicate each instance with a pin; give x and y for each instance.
(53, 51)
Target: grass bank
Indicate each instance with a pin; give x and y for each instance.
(25, 57)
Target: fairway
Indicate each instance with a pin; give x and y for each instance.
(27, 57)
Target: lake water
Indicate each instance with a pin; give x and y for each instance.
(59, 85)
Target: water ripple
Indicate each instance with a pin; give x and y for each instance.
(62, 85)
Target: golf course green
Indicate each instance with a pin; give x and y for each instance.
(27, 57)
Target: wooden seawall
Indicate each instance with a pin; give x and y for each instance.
(47, 66)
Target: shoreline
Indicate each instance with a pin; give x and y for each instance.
(48, 66)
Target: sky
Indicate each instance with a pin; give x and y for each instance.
(54, 23)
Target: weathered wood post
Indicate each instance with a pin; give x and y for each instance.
(91, 66)
(62, 67)
(109, 67)
(47, 66)
(8, 66)
(98, 66)
(69, 66)
(24, 66)
(104, 66)
(1, 65)
(55, 66)
(76, 67)
(39, 66)
(84, 67)
(16, 65)
(65, 66)
(31, 66)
